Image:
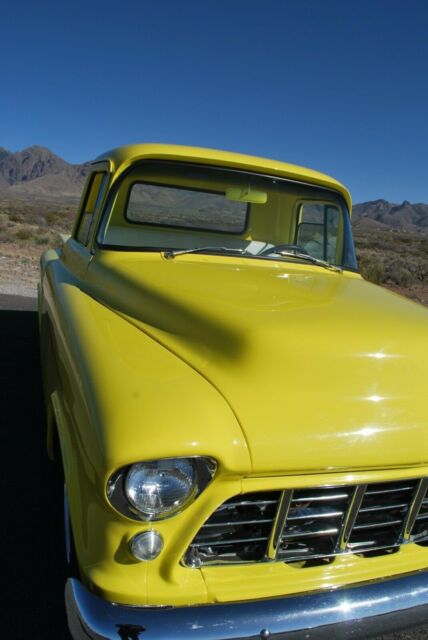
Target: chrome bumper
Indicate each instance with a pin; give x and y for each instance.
(356, 612)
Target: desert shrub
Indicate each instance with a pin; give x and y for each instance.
(23, 234)
(44, 231)
(4, 224)
(4, 220)
(422, 249)
(4, 235)
(52, 217)
(399, 274)
(421, 271)
(372, 269)
(16, 217)
(377, 243)
(42, 240)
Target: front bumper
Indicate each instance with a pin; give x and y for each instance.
(356, 612)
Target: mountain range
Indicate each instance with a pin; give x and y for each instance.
(380, 214)
(38, 174)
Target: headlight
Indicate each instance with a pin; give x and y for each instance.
(158, 489)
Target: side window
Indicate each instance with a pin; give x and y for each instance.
(94, 196)
(332, 216)
(317, 230)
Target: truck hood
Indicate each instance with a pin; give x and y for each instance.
(323, 371)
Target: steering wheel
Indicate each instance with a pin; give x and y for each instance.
(293, 248)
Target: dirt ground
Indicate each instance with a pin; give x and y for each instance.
(417, 292)
(19, 268)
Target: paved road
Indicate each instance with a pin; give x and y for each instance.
(31, 531)
(31, 497)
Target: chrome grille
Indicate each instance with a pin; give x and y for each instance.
(238, 531)
(418, 529)
(313, 526)
(381, 517)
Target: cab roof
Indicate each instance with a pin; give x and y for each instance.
(121, 158)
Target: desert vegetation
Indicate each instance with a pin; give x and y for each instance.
(27, 228)
(396, 259)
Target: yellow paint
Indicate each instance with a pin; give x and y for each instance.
(288, 375)
(121, 159)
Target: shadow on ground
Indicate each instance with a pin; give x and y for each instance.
(32, 561)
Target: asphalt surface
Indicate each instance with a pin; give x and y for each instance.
(32, 529)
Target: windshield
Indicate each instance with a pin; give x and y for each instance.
(166, 206)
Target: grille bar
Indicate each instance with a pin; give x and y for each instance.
(383, 491)
(245, 503)
(238, 523)
(221, 542)
(384, 507)
(349, 523)
(313, 525)
(282, 511)
(310, 534)
(321, 498)
(374, 525)
(415, 526)
(316, 516)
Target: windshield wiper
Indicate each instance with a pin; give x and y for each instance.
(180, 252)
(170, 254)
(307, 257)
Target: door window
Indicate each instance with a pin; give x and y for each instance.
(318, 229)
(94, 197)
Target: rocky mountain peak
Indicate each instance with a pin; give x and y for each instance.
(34, 163)
(387, 215)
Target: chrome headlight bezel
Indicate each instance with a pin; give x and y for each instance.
(204, 469)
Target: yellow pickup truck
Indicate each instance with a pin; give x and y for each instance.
(241, 419)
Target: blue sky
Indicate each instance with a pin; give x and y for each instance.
(339, 86)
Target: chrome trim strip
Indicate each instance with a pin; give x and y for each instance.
(284, 504)
(351, 516)
(222, 543)
(379, 492)
(377, 525)
(322, 498)
(236, 523)
(387, 507)
(353, 613)
(310, 534)
(414, 509)
(245, 503)
(316, 516)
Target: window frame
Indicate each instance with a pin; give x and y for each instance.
(112, 191)
(98, 207)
